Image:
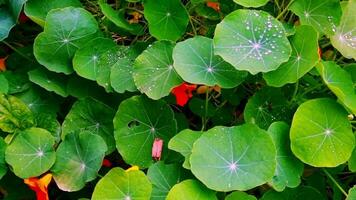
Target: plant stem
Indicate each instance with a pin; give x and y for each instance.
(204, 119)
(17, 51)
(284, 10)
(295, 92)
(334, 181)
(192, 24)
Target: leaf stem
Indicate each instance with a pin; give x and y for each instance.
(192, 24)
(334, 181)
(204, 119)
(17, 51)
(295, 92)
(284, 10)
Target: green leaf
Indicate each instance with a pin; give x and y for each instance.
(50, 81)
(323, 15)
(191, 189)
(352, 194)
(93, 116)
(344, 38)
(237, 195)
(300, 193)
(289, 168)
(118, 184)
(249, 3)
(153, 70)
(3, 166)
(31, 152)
(4, 84)
(339, 82)
(351, 69)
(183, 143)
(85, 61)
(7, 22)
(267, 106)
(166, 19)
(14, 114)
(79, 158)
(252, 40)
(197, 106)
(227, 159)
(195, 62)
(37, 10)
(304, 57)
(352, 161)
(163, 177)
(65, 31)
(321, 134)
(15, 6)
(18, 82)
(137, 123)
(49, 122)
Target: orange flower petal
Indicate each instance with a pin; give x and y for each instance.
(40, 186)
(183, 93)
(3, 64)
(213, 5)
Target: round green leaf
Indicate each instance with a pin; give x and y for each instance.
(300, 193)
(321, 134)
(352, 194)
(266, 106)
(4, 84)
(79, 158)
(31, 152)
(85, 61)
(37, 12)
(344, 39)
(252, 40)
(195, 62)
(92, 115)
(153, 70)
(166, 19)
(7, 22)
(49, 122)
(118, 184)
(191, 189)
(304, 57)
(323, 15)
(137, 123)
(289, 168)
(237, 195)
(65, 31)
(249, 3)
(227, 159)
(3, 167)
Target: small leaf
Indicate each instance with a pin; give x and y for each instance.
(237, 195)
(190, 189)
(249, 3)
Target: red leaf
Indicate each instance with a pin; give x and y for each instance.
(183, 93)
(157, 149)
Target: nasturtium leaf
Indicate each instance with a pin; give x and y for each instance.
(339, 82)
(50, 81)
(37, 10)
(79, 158)
(50, 123)
(6, 21)
(323, 15)
(198, 107)
(227, 159)
(14, 114)
(163, 177)
(352, 194)
(321, 134)
(4, 84)
(3, 167)
(31, 152)
(249, 3)
(191, 189)
(65, 31)
(266, 106)
(351, 69)
(137, 123)
(85, 61)
(195, 62)
(304, 57)
(18, 82)
(91, 115)
(352, 161)
(300, 193)
(289, 168)
(183, 143)
(118, 184)
(252, 40)
(153, 70)
(344, 39)
(237, 195)
(166, 19)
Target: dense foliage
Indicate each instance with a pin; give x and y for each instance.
(178, 99)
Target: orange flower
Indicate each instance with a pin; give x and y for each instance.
(183, 93)
(2, 64)
(40, 186)
(214, 5)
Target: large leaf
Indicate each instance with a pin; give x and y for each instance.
(191, 189)
(304, 57)
(92, 115)
(227, 159)
(237, 195)
(321, 134)
(323, 15)
(249, 3)
(153, 71)
(300, 193)
(137, 123)
(252, 40)
(118, 184)
(37, 10)
(289, 168)
(31, 152)
(196, 63)
(3, 167)
(4, 84)
(14, 114)
(352, 194)
(79, 158)
(8, 17)
(345, 38)
(65, 31)
(166, 19)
